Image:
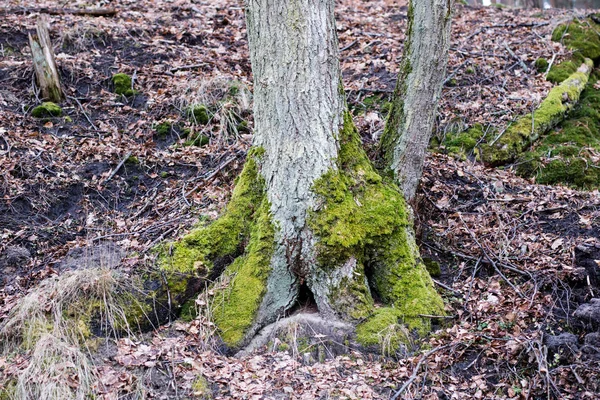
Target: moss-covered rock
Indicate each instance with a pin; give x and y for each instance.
(123, 84)
(47, 110)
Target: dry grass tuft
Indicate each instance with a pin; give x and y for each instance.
(57, 370)
(228, 102)
(54, 321)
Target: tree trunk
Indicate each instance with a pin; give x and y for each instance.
(309, 210)
(422, 71)
(44, 63)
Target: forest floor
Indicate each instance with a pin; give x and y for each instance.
(514, 255)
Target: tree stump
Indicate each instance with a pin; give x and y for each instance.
(44, 62)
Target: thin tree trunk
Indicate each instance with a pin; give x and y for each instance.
(44, 63)
(422, 72)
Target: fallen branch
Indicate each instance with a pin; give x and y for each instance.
(91, 12)
(513, 55)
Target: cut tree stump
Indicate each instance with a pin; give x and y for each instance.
(44, 62)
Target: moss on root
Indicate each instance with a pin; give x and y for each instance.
(236, 305)
(383, 330)
(242, 241)
(363, 217)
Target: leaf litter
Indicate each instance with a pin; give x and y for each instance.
(507, 248)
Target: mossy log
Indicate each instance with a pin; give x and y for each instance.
(509, 144)
(44, 63)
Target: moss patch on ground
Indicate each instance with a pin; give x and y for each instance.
(364, 217)
(123, 84)
(383, 330)
(47, 110)
(580, 36)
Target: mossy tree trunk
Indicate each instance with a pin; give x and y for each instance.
(422, 72)
(309, 209)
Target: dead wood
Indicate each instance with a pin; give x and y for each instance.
(91, 12)
(44, 63)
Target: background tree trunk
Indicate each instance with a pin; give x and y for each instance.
(422, 71)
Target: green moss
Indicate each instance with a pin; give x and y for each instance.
(382, 329)
(226, 236)
(47, 110)
(123, 85)
(363, 217)
(201, 388)
(200, 140)
(541, 65)
(132, 160)
(243, 233)
(462, 144)
(519, 135)
(559, 72)
(236, 307)
(163, 129)
(200, 114)
(433, 267)
(8, 390)
(581, 36)
(566, 155)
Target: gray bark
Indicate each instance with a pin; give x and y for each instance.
(420, 80)
(298, 108)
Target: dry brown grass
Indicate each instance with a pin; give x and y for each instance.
(55, 321)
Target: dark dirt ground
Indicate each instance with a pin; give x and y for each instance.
(514, 255)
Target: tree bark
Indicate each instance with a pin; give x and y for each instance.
(44, 63)
(422, 71)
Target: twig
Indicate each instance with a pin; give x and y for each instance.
(348, 47)
(211, 176)
(92, 12)
(83, 111)
(523, 65)
(442, 285)
(416, 370)
(114, 171)
(191, 66)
